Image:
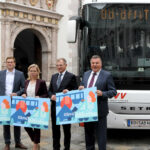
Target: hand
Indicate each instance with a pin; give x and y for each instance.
(24, 95)
(99, 93)
(13, 94)
(81, 87)
(65, 91)
(36, 96)
(53, 97)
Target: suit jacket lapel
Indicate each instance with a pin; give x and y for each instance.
(37, 85)
(87, 77)
(15, 78)
(4, 79)
(99, 79)
(55, 79)
(64, 79)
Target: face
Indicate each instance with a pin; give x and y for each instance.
(10, 64)
(61, 66)
(96, 64)
(33, 73)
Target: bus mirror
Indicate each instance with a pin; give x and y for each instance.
(72, 31)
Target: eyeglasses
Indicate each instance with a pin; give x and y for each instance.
(59, 65)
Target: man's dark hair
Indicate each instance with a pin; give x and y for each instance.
(95, 57)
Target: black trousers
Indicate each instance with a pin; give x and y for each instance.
(7, 134)
(96, 129)
(34, 134)
(57, 134)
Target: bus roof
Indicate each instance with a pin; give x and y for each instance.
(116, 1)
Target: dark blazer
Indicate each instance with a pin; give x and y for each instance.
(68, 82)
(40, 88)
(18, 86)
(106, 85)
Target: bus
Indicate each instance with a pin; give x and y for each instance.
(119, 32)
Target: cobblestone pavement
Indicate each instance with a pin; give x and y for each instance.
(77, 142)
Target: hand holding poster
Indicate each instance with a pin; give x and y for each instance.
(30, 112)
(5, 110)
(76, 106)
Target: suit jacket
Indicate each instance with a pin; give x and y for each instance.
(68, 82)
(40, 88)
(18, 85)
(106, 85)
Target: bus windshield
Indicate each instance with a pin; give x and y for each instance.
(120, 34)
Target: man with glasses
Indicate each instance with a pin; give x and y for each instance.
(62, 81)
(12, 84)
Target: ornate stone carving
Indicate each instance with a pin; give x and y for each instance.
(33, 2)
(49, 3)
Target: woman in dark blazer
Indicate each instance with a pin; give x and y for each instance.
(34, 87)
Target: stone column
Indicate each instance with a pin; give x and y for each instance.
(6, 50)
(41, 3)
(54, 51)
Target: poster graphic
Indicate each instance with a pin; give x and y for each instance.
(5, 110)
(30, 112)
(76, 106)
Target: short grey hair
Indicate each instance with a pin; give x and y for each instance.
(63, 59)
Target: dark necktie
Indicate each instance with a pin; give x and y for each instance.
(92, 80)
(59, 80)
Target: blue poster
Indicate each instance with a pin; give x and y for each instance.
(30, 112)
(76, 106)
(5, 110)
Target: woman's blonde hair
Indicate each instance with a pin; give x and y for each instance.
(37, 68)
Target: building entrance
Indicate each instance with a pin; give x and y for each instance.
(27, 50)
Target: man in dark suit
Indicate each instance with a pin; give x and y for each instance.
(105, 89)
(62, 81)
(12, 84)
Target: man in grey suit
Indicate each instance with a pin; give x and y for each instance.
(12, 84)
(105, 89)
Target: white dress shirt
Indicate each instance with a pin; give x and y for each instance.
(95, 79)
(9, 82)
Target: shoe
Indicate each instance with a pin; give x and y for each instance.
(7, 147)
(21, 146)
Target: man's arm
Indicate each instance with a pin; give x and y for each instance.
(51, 93)
(22, 84)
(111, 90)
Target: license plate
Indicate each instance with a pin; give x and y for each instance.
(138, 123)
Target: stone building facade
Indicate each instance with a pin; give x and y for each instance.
(35, 31)
(29, 21)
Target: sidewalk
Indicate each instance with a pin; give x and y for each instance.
(77, 142)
